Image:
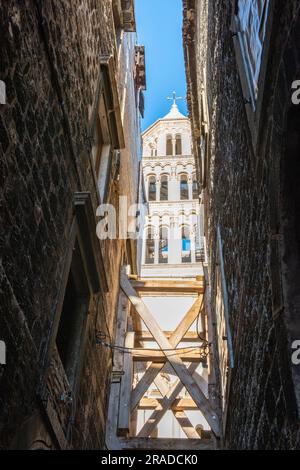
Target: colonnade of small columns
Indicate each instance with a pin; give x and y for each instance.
(174, 183)
(171, 229)
(171, 142)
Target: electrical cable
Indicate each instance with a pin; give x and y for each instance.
(176, 352)
(100, 339)
(123, 348)
(180, 351)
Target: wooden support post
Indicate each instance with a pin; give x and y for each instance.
(112, 441)
(126, 385)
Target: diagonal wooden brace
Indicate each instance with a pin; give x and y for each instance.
(153, 370)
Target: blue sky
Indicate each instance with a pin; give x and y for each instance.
(159, 25)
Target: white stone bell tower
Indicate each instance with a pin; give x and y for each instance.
(173, 238)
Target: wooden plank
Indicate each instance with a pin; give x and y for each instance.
(165, 404)
(186, 322)
(180, 404)
(125, 390)
(186, 425)
(121, 327)
(161, 285)
(111, 439)
(184, 404)
(151, 373)
(157, 356)
(144, 383)
(175, 361)
(147, 443)
(189, 337)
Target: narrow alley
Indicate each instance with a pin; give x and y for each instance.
(150, 238)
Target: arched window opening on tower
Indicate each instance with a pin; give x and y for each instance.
(164, 183)
(199, 247)
(153, 148)
(152, 188)
(178, 147)
(195, 188)
(163, 245)
(169, 145)
(149, 246)
(186, 256)
(184, 187)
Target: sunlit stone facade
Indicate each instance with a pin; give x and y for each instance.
(173, 238)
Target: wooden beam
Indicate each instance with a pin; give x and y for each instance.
(125, 390)
(147, 443)
(189, 337)
(186, 322)
(145, 355)
(161, 285)
(180, 404)
(112, 441)
(121, 327)
(177, 364)
(152, 371)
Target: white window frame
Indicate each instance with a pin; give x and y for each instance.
(252, 72)
(224, 337)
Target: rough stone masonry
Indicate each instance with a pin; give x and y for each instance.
(248, 169)
(50, 62)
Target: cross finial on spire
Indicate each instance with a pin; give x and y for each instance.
(174, 98)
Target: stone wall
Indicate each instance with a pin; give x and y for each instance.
(244, 196)
(49, 61)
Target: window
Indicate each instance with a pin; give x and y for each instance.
(164, 188)
(163, 245)
(153, 149)
(106, 126)
(73, 317)
(84, 275)
(101, 149)
(185, 245)
(178, 146)
(150, 246)
(169, 145)
(251, 21)
(199, 246)
(184, 187)
(152, 188)
(195, 188)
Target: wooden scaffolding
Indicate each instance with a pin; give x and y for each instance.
(127, 397)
